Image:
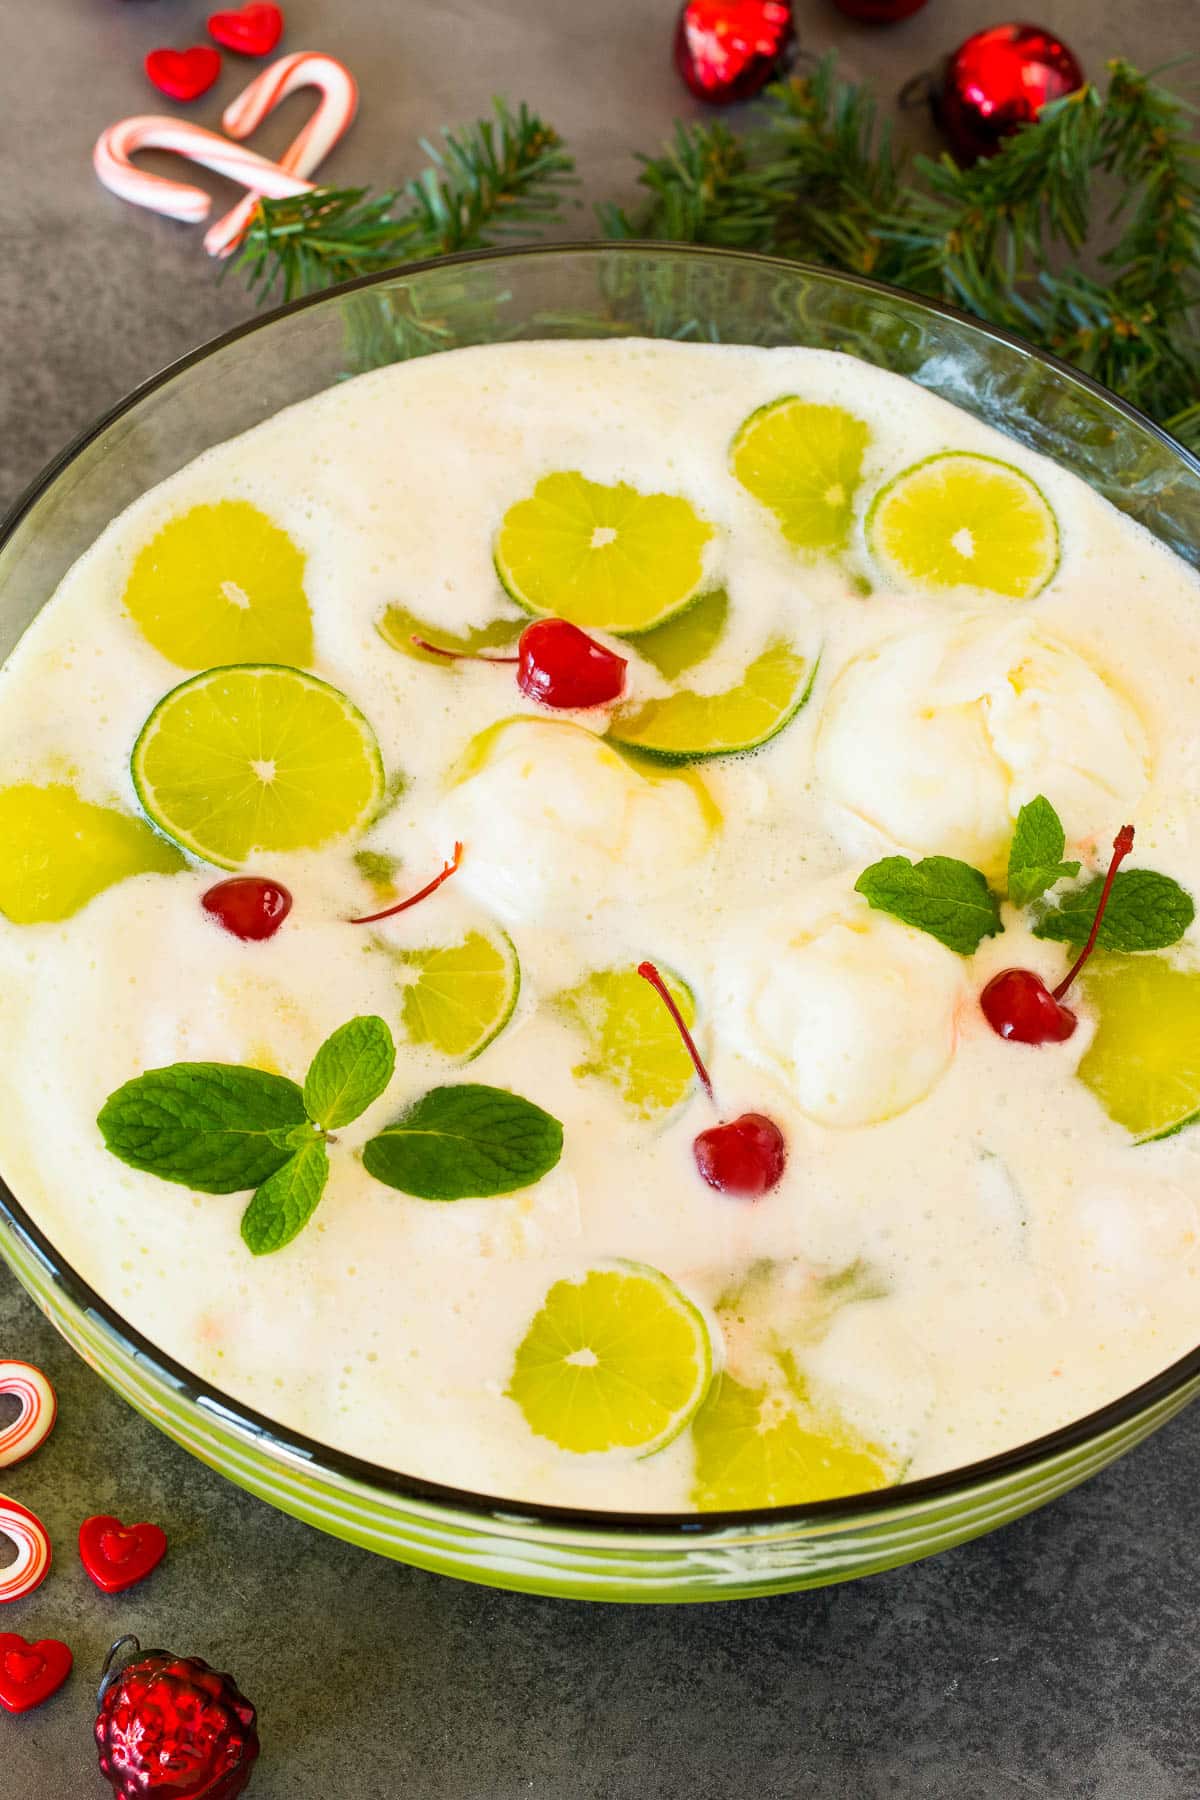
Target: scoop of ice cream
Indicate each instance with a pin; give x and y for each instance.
(556, 823)
(853, 1011)
(932, 741)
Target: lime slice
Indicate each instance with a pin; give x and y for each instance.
(688, 638)
(398, 627)
(958, 520)
(606, 558)
(221, 584)
(804, 461)
(60, 850)
(755, 1447)
(686, 726)
(1143, 1065)
(256, 757)
(631, 1039)
(461, 996)
(618, 1360)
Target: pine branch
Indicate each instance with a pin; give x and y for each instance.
(485, 183)
(818, 180)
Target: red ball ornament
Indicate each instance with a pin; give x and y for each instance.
(728, 50)
(170, 1727)
(999, 80)
(879, 12)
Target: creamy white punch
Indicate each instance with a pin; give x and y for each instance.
(859, 632)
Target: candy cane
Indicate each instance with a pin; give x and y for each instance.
(33, 1551)
(333, 117)
(33, 1423)
(178, 199)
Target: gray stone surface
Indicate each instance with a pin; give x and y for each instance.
(1058, 1658)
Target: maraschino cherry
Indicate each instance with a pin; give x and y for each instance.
(430, 887)
(1018, 1005)
(744, 1156)
(249, 906)
(556, 663)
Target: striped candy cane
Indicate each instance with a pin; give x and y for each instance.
(333, 117)
(33, 1551)
(178, 199)
(33, 1423)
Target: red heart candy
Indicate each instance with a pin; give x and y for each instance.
(30, 1673)
(115, 1555)
(184, 74)
(251, 32)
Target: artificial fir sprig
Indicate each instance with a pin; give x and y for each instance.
(816, 179)
(498, 178)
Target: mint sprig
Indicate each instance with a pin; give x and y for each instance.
(1146, 911)
(1035, 854)
(221, 1128)
(940, 895)
(467, 1142)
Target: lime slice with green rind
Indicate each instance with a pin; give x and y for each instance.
(631, 1039)
(686, 726)
(1143, 1064)
(257, 757)
(803, 461)
(618, 1359)
(221, 584)
(688, 638)
(606, 558)
(398, 627)
(959, 520)
(60, 851)
(460, 996)
(757, 1447)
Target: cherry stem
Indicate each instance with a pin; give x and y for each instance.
(649, 973)
(430, 886)
(461, 655)
(1122, 845)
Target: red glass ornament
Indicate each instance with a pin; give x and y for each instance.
(248, 906)
(999, 80)
(252, 32)
(30, 1673)
(879, 12)
(117, 1556)
(171, 1728)
(728, 50)
(184, 74)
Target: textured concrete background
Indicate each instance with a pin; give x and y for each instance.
(1058, 1658)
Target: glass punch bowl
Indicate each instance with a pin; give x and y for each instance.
(580, 292)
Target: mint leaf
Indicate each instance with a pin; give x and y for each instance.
(287, 1200)
(1146, 911)
(351, 1069)
(1035, 855)
(210, 1126)
(465, 1142)
(947, 898)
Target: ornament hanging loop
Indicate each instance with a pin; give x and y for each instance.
(112, 1668)
(917, 92)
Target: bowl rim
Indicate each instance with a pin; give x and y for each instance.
(276, 1438)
